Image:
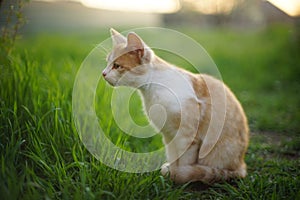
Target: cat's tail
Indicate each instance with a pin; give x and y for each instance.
(205, 174)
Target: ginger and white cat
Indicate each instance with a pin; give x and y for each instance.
(204, 127)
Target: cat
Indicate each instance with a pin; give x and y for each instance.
(204, 127)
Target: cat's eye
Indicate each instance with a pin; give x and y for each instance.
(116, 66)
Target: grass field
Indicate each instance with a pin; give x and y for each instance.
(42, 156)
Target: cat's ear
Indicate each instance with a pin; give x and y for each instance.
(117, 37)
(137, 45)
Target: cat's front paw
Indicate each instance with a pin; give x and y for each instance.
(165, 169)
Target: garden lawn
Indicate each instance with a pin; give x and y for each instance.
(42, 156)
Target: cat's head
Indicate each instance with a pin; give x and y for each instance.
(129, 60)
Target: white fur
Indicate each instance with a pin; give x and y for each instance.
(168, 87)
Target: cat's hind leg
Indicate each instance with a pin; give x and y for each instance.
(205, 174)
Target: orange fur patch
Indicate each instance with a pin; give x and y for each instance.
(130, 62)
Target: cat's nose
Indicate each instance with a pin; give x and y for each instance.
(104, 73)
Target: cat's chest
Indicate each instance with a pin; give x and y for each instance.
(169, 89)
(164, 98)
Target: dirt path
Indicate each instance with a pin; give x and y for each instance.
(277, 144)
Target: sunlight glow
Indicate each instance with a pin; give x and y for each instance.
(150, 6)
(211, 7)
(290, 7)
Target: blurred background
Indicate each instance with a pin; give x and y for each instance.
(79, 15)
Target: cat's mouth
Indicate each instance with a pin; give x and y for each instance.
(111, 81)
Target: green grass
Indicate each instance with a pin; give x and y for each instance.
(43, 157)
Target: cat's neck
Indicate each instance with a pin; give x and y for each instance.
(156, 69)
(165, 77)
(161, 63)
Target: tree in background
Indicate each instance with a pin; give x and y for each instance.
(11, 21)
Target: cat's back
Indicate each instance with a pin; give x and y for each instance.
(221, 93)
(222, 103)
(223, 113)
